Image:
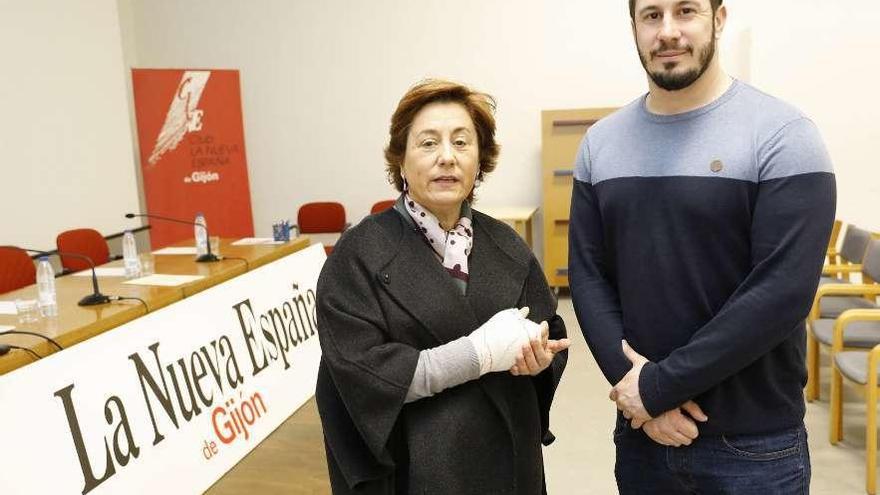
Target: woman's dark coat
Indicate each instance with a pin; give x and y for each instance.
(383, 297)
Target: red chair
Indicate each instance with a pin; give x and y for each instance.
(382, 206)
(17, 269)
(88, 242)
(325, 217)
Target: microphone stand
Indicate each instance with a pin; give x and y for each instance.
(205, 258)
(93, 299)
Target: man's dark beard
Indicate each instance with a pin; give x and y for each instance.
(674, 82)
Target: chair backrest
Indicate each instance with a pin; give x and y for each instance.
(855, 241)
(321, 217)
(382, 206)
(871, 262)
(88, 242)
(16, 269)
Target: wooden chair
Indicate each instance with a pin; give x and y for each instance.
(861, 369)
(831, 300)
(849, 259)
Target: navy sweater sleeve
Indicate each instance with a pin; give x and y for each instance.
(595, 299)
(791, 221)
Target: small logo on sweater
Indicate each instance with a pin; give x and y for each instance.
(716, 166)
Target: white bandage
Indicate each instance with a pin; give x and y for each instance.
(499, 340)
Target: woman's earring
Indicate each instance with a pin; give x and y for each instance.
(405, 185)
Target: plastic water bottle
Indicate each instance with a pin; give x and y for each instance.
(46, 297)
(201, 233)
(130, 255)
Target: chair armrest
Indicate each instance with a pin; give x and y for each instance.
(841, 290)
(836, 269)
(847, 317)
(847, 290)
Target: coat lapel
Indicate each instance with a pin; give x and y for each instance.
(419, 283)
(496, 279)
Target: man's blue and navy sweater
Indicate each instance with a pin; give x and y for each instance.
(699, 238)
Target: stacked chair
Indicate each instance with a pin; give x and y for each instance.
(835, 295)
(855, 357)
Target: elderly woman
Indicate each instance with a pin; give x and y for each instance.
(432, 379)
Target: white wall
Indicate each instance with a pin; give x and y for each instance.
(823, 58)
(64, 133)
(321, 79)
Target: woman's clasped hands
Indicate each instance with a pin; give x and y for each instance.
(510, 341)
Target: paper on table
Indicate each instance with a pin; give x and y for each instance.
(4, 328)
(8, 308)
(164, 280)
(176, 250)
(106, 271)
(248, 241)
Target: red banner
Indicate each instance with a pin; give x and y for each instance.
(192, 151)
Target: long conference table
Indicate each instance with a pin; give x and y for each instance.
(290, 460)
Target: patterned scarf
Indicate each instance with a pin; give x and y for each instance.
(452, 247)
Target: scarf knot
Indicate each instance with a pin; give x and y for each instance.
(453, 247)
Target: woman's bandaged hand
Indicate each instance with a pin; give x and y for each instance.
(498, 341)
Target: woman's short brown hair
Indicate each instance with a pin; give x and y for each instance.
(480, 106)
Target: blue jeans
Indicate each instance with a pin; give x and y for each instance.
(763, 464)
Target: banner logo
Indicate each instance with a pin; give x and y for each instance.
(182, 116)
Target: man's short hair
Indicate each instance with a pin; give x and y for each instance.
(632, 7)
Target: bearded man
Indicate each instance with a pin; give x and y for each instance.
(699, 221)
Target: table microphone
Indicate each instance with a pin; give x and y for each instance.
(5, 348)
(207, 257)
(92, 299)
(35, 334)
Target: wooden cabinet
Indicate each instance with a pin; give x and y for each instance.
(561, 134)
